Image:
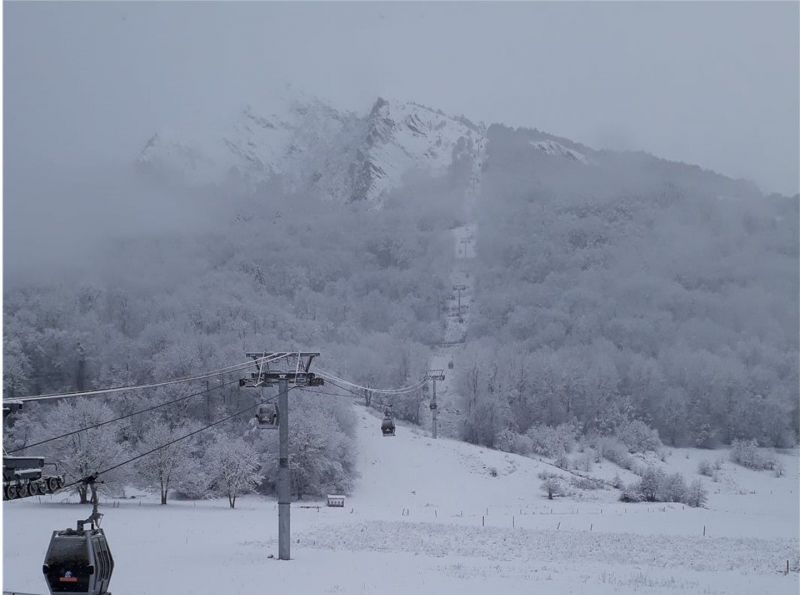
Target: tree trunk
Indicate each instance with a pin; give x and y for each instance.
(82, 492)
(164, 490)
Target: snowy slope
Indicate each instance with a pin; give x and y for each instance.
(430, 516)
(407, 137)
(304, 141)
(552, 147)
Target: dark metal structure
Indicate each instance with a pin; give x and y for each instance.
(79, 561)
(267, 416)
(387, 425)
(272, 367)
(24, 476)
(282, 368)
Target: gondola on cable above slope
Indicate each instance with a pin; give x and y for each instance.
(387, 425)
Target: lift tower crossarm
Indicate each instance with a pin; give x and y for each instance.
(272, 368)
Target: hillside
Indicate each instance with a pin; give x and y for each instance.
(431, 516)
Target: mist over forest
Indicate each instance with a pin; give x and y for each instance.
(610, 288)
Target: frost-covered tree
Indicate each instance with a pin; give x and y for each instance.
(552, 486)
(233, 466)
(321, 447)
(167, 466)
(88, 452)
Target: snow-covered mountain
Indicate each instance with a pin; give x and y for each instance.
(310, 145)
(305, 144)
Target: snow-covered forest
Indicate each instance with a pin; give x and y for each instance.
(632, 289)
(610, 288)
(358, 284)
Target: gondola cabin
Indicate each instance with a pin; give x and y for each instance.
(387, 426)
(78, 562)
(267, 416)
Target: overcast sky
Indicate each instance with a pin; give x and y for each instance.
(714, 84)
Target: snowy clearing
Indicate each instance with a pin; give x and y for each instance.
(441, 516)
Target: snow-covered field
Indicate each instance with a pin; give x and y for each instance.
(440, 516)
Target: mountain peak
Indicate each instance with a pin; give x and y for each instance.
(313, 146)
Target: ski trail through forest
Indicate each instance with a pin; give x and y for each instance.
(456, 313)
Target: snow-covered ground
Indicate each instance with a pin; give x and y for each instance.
(441, 516)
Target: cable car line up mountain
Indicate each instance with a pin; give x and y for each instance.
(91, 571)
(120, 418)
(24, 476)
(390, 391)
(57, 484)
(103, 391)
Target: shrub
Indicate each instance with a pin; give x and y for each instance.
(637, 436)
(746, 454)
(696, 495)
(551, 441)
(552, 486)
(778, 468)
(584, 461)
(631, 494)
(586, 483)
(510, 441)
(657, 486)
(672, 489)
(613, 450)
(650, 484)
(705, 468)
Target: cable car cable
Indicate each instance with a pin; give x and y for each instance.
(104, 391)
(344, 388)
(400, 390)
(171, 442)
(108, 421)
(322, 392)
